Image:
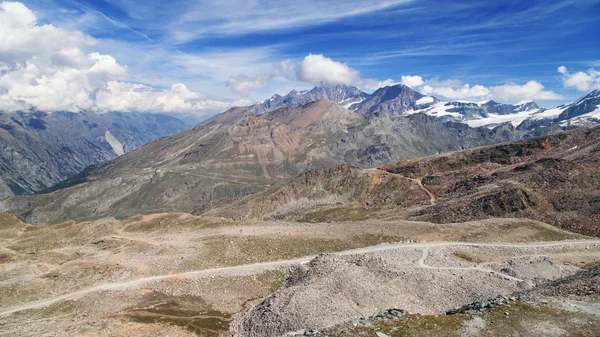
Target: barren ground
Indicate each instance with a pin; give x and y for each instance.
(181, 275)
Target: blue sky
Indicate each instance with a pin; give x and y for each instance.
(233, 50)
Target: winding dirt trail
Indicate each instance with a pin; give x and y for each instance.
(258, 267)
(421, 264)
(432, 198)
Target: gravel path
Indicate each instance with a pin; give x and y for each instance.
(259, 267)
(421, 263)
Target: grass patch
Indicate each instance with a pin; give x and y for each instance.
(515, 319)
(171, 222)
(338, 214)
(467, 256)
(234, 250)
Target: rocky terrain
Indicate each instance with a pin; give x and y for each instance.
(236, 153)
(428, 279)
(393, 101)
(343, 95)
(554, 179)
(316, 220)
(328, 253)
(401, 100)
(526, 116)
(38, 149)
(184, 275)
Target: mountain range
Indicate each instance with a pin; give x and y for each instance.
(237, 153)
(248, 149)
(554, 179)
(39, 149)
(399, 100)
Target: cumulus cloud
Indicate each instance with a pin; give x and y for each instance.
(464, 91)
(47, 68)
(412, 81)
(122, 96)
(316, 68)
(582, 81)
(457, 90)
(528, 91)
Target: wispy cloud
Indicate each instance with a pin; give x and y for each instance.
(112, 21)
(228, 17)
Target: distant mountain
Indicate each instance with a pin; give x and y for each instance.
(236, 153)
(343, 95)
(396, 100)
(584, 112)
(526, 116)
(38, 149)
(401, 100)
(488, 113)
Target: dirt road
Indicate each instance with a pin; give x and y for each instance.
(259, 267)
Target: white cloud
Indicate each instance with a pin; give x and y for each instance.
(582, 81)
(228, 17)
(243, 84)
(372, 85)
(456, 90)
(313, 69)
(464, 91)
(286, 69)
(121, 96)
(528, 91)
(316, 68)
(412, 81)
(51, 69)
(22, 39)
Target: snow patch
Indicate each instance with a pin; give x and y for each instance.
(114, 143)
(347, 103)
(494, 119)
(592, 114)
(437, 110)
(552, 113)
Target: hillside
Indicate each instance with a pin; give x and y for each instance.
(38, 149)
(236, 153)
(555, 179)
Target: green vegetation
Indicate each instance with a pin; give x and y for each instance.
(515, 319)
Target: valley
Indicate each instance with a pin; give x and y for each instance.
(340, 168)
(313, 220)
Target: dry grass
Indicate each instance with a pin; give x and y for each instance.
(467, 256)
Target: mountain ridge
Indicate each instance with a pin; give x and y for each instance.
(237, 153)
(399, 100)
(39, 149)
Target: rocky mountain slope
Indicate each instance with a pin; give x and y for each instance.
(555, 179)
(401, 100)
(393, 101)
(38, 149)
(236, 153)
(343, 95)
(526, 116)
